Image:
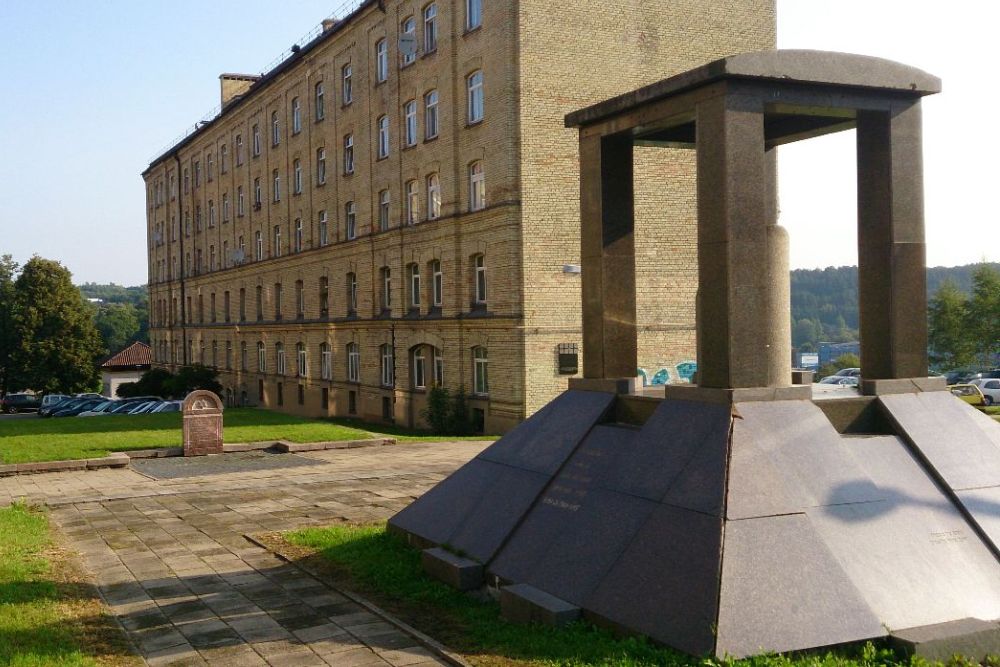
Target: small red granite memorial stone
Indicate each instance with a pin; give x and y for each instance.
(202, 417)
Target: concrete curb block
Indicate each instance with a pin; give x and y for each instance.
(427, 641)
(112, 461)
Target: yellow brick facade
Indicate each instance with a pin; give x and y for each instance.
(539, 60)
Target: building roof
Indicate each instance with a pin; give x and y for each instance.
(136, 354)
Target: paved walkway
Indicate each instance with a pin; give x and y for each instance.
(171, 560)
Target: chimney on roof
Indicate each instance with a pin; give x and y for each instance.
(329, 23)
(232, 86)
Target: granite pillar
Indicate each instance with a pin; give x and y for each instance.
(892, 290)
(608, 257)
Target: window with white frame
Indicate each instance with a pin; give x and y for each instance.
(473, 14)
(433, 196)
(276, 247)
(415, 286)
(410, 123)
(261, 358)
(211, 267)
(350, 220)
(419, 368)
(353, 363)
(240, 201)
(297, 177)
(383, 137)
(383, 210)
(279, 358)
(412, 203)
(296, 115)
(215, 354)
(300, 299)
(229, 355)
(210, 162)
(431, 114)
(480, 371)
(409, 29)
(387, 363)
(255, 140)
(346, 89)
(437, 359)
(302, 365)
(223, 158)
(479, 264)
(352, 293)
(275, 129)
(325, 362)
(477, 186)
(211, 213)
(225, 207)
(381, 61)
(319, 101)
(259, 246)
(277, 301)
(475, 91)
(430, 28)
(258, 194)
(239, 150)
(320, 166)
(324, 296)
(324, 229)
(299, 236)
(349, 154)
(276, 185)
(386, 287)
(437, 283)
(244, 360)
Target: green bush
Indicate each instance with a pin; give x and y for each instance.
(438, 409)
(447, 413)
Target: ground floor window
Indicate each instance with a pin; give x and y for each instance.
(480, 375)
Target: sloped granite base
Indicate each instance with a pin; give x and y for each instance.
(734, 529)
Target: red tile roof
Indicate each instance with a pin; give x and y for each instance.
(136, 354)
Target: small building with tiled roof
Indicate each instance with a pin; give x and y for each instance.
(127, 365)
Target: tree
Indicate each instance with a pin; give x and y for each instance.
(984, 313)
(57, 344)
(438, 409)
(8, 339)
(843, 361)
(118, 324)
(952, 343)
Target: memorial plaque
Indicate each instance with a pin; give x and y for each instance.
(202, 423)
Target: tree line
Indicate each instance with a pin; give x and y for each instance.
(964, 325)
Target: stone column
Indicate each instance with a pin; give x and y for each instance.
(607, 221)
(742, 254)
(892, 290)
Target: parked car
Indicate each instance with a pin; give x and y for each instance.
(53, 399)
(14, 403)
(983, 375)
(969, 393)
(142, 408)
(98, 410)
(848, 372)
(76, 407)
(167, 406)
(845, 380)
(991, 390)
(55, 405)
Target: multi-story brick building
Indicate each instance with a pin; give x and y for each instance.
(397, 204)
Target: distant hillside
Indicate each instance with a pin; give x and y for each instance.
(122, 315)
(825, 301)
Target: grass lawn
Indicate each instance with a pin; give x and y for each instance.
(56, 439)
(381, 567)
(47, 617)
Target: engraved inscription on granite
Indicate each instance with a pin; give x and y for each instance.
(202, 417)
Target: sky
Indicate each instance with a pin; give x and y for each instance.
(92, 90)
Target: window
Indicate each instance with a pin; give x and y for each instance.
(352, 293)
(415, 286)
(479, 262)
(346, 93)
(296, 116)
(475, 88)
(187, 181)
(324, 230)
(275, 186)
(229, 355)
(353, 363)
(279, 358)
(275, 129)
(259, 249)
(211, 214)
(383, 210)
(433, 197)
(210, 163)
(197, 173)
(351, 220)
(240, 205)
(430, 28)
(255, 140)
(244, 361)
(299, 239)
(386, 276)
(477, 187)
(239, 150)
(480, 375)
(276, 247)
(473, 14)
(257, 194)
(409, 34)
(320, 166)
(431, 114)
(383, 136)
(412, 202)
(261, 358)
(438, 360)
(211, 257)
(225, 207)
(243, 304)
(410, 116)
(277, 301)
(349, 154)
(302, 365)
(297, 177)
(419, 368)
(324, 296)
(437, 281)
(260, 302)
(325, 362)
(318, 103)
(300, 299)
(385, 354)
(225, 306)
(381, 61)
(223, 158)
